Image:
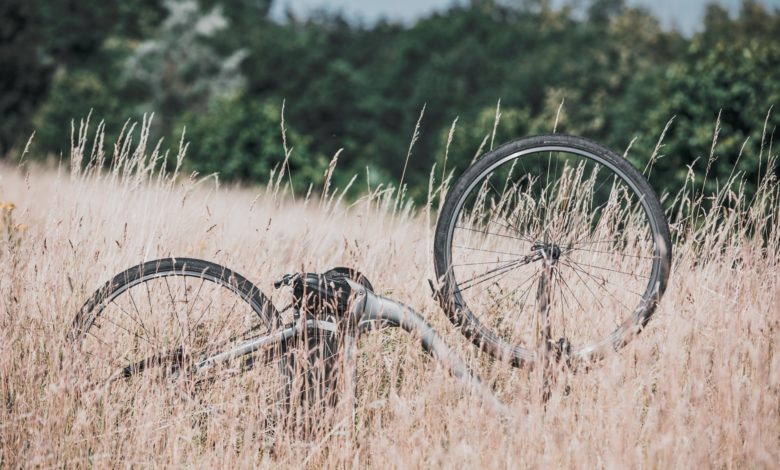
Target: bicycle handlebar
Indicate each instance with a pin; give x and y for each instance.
(369, 308)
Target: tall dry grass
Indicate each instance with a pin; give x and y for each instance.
(700, 386)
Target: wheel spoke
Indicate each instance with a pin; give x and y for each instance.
(173, 305)
(599, 284)
(626, 255)
(595, 297)
(488, 251)
(493, 234)
(501, 270)
(608, 269)
(486, 262)
(123, 328)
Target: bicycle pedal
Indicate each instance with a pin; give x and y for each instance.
(286, 280)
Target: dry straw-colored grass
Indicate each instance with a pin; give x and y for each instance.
(700, 386)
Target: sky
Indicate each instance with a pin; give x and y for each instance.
(685, 15)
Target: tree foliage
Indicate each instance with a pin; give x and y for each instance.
(604, 70)
(240, 140)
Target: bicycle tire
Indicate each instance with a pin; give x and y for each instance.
(299, 375)
(267, 389)
(449, 292)
(192, 267)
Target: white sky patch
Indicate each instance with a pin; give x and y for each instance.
(685, 15)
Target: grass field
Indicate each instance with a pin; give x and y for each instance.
(700, 386)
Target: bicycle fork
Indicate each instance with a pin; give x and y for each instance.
(544, 344)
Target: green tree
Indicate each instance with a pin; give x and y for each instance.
(727, 69)
(41, 40)
(241, 139)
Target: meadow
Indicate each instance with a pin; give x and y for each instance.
(700, 386)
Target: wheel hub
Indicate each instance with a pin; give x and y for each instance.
(550, 251)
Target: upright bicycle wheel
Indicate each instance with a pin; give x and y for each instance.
(551, 244)
(142, 336)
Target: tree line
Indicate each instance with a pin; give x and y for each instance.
(227, 71)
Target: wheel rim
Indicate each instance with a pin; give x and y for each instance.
(537, 210)
(158, 326)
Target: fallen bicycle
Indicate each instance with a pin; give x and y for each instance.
(548, 250)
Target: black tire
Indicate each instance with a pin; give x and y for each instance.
(450, 296)
(125, 342)
(187, 267)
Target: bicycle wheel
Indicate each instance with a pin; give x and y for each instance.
(551, 244)
(142, 336)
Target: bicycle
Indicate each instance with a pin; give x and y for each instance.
(543, 237)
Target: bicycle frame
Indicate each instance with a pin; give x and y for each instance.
(271, 342)
(368, 312)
